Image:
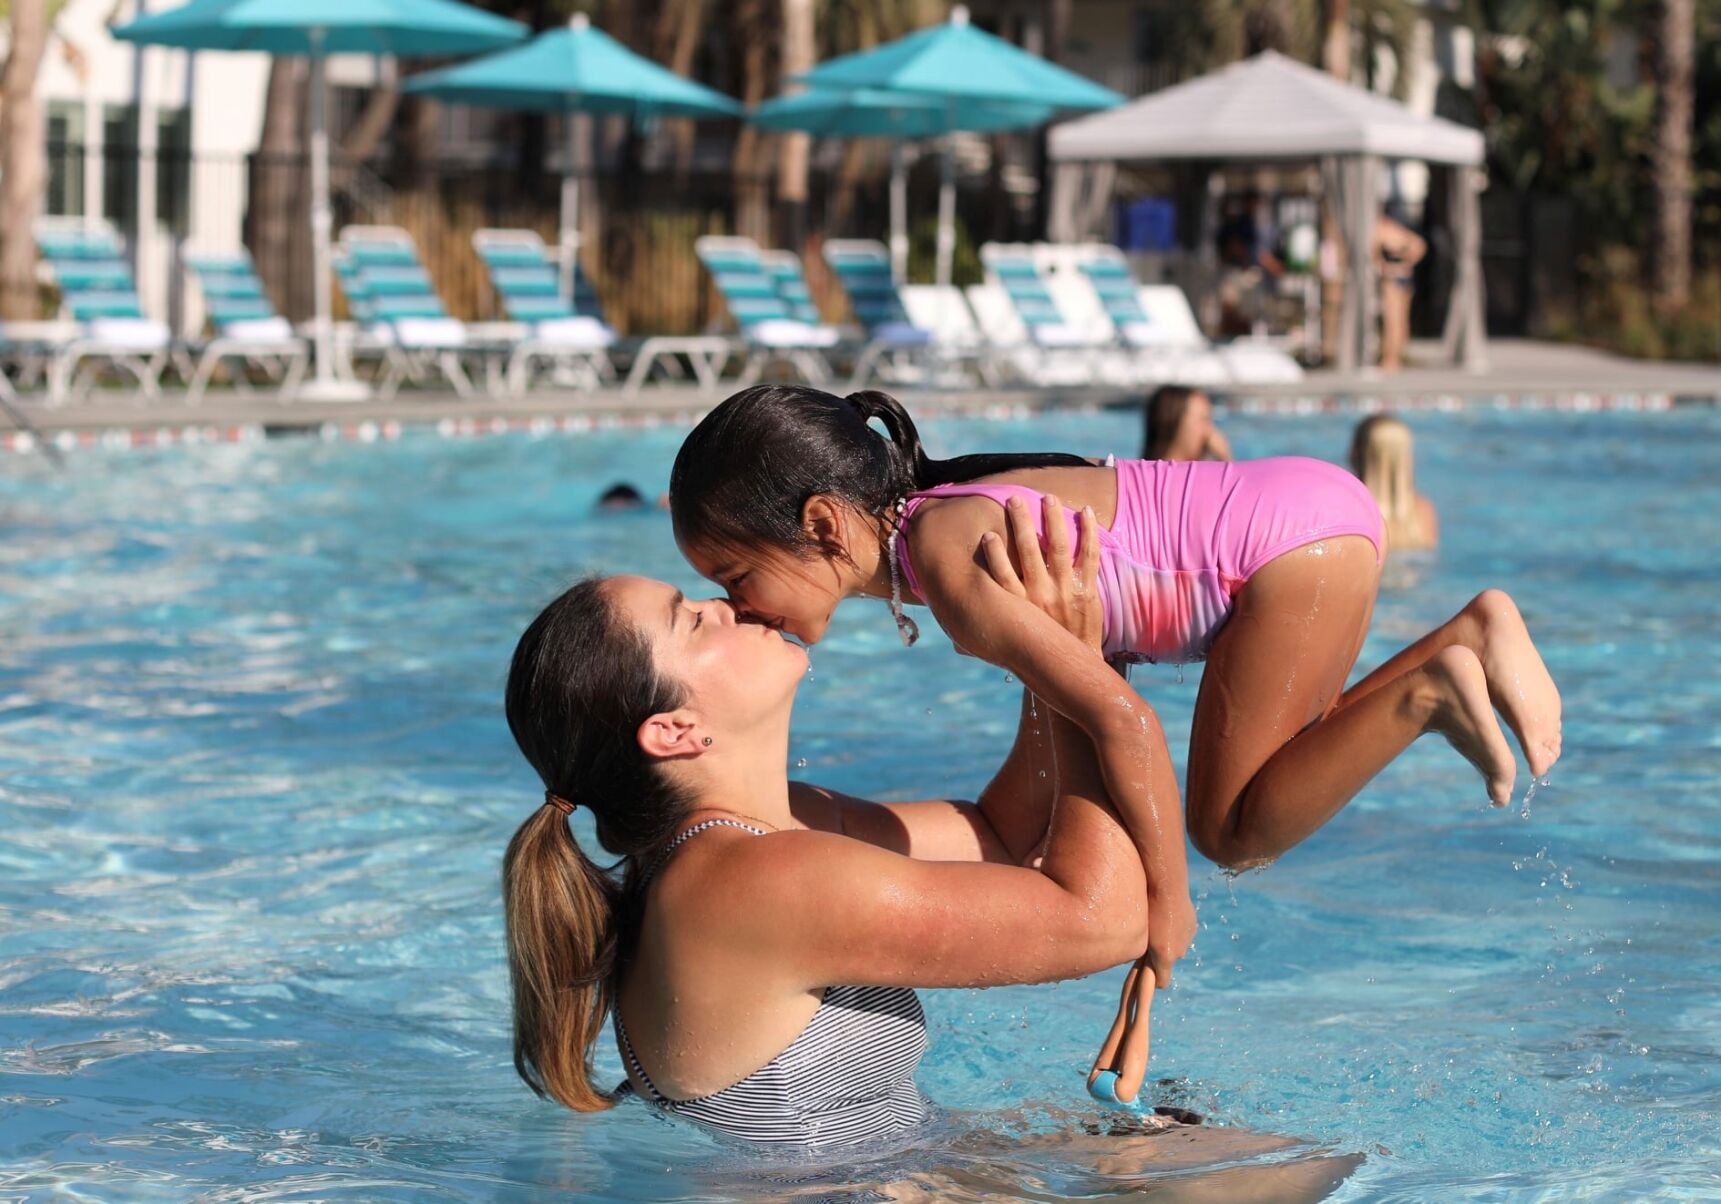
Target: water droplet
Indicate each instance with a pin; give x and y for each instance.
(929, 710)
(1180, 673)
(1009, 679)
(800, 763)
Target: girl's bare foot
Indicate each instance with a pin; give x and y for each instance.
(1518, 681)
(1459, 709)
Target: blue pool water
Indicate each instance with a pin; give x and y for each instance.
(254, 786)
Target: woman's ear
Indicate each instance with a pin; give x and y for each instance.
(824, 520)
(671, 735)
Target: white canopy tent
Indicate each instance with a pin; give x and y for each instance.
(1272, 109)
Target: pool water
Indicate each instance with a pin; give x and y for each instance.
(255, 785)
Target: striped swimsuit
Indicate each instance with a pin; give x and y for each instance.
(847, 1077)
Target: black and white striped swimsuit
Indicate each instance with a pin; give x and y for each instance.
(848, 1076)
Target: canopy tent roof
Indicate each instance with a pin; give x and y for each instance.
(1267, 107)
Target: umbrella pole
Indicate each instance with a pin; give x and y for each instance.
(326, 386)
(898, 213)
(947, 213)
(570, 229)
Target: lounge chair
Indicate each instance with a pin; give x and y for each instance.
(1163, 350)
(1043, 345)
(390, 292)
(528, 287)
(97, 293)
(246, 326)
(896, 341)
(1241, 361)
(769, 331)
(527, 280)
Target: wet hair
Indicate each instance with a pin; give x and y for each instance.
(746, 473)
(1383, 459)
(581, 683)
(1162, 416)
(621, 496)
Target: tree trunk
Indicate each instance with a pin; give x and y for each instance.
(857, 156)
(275, 223)
(752, 208)
(22, 159)
(1670, 157)
(680, 30)
(794, 149)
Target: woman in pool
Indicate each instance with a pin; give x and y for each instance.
(787, 498)
(760, 950)
(1383, 459)
(1178, 425)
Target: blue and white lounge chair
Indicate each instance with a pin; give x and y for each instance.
(559, 330)
(1034, 336)
(97, 293)
(527, 278)
(893, 340)
(389, 291)
(247, 328)
(769, 329)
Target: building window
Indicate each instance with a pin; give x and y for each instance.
(172, 171)
(65, 159)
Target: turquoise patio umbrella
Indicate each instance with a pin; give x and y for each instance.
(319, 28)
(882, 113)
(958, 66)
(575, 69)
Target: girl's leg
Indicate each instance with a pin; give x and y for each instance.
(1265, 768)
(1519, 684)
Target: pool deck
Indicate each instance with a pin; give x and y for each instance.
(1522, 373)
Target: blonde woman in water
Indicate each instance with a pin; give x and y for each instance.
(1383, 459)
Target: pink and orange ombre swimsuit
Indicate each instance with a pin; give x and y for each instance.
(1187, 536)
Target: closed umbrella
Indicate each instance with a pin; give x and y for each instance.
(319, 28)
(576, 69)
(878, 112)
(956, 65)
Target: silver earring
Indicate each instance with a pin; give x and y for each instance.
(708, 742)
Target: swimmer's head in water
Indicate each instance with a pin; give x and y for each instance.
(783, 492)
(623, 695)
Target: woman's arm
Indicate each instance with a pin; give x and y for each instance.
(813, 908)
(1007, 825)
(1069, 676)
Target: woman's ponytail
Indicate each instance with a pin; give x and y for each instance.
(563, 937)
(581, 683)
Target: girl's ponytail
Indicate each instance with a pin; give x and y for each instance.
(904, 439)
(745, 474)
(562, 942)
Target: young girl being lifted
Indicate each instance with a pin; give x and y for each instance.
(790, 500)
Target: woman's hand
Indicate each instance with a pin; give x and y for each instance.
(1064, 587)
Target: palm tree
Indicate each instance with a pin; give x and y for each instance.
(22, 157)
(1670, 154)
(794, 150)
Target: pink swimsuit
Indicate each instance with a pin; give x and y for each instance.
(1188, 535)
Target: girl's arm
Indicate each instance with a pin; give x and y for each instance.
(988, 620)
(1006, 825)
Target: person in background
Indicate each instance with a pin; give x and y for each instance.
(1178, 425)
(621, 496)
(1383, 459)
(1397, 251)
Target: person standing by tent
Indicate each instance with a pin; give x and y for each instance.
(1397, 251)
